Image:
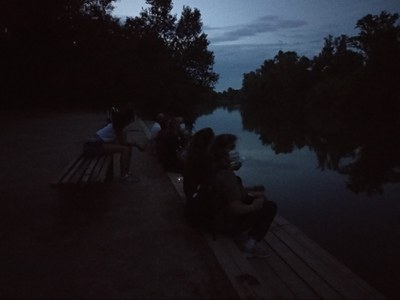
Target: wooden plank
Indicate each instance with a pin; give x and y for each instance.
(105, 168)
(348, 284)
(280, 221)
(243, 280)
(97, 169)
(76, 178)
(89, 170)
(65, 171)
(116, 166)
(332, 275)
(261, 286)
(293, 281)
(72, 171)
(316, 283)
(268, 275)
(280, 284)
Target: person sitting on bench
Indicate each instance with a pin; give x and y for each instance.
(112, 139)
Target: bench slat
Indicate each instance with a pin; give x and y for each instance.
(105, 168)
(89, 170)
(96, 171)
(233, 270)
(80, 172)
(72, 171)
(117, 166)
(292, 280)
(334, 272)
(288, 285)
(263, 288)
(65, 172)
(316, 283)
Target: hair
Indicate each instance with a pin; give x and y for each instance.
(173, 125)
(122, 119)
(162, 120)
(201, 141)
(220, 150)
(199, 160)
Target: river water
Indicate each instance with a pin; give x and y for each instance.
(360, 230)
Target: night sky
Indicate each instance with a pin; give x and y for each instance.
(244, 33)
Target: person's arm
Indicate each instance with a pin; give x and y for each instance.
(227, 185)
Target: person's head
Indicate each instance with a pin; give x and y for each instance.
(174, 125)
(202, 140)
(199, 161)
(161, 119)
(223, 150)
(182, 126)
(121, 119)
(225, 142)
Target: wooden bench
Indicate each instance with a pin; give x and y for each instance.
(86, 171)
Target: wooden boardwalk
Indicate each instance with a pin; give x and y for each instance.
(297, 269)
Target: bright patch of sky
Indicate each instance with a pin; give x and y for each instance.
(244, 33)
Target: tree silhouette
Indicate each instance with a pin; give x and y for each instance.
(379, 40)
(75, 53)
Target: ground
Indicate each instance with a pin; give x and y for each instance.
(123, 240)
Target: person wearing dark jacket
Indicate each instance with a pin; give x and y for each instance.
(240, 210)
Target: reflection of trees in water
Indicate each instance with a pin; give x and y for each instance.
(344, 103)
(369, 157)
(376, 163)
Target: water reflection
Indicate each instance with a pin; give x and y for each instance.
(369, 157)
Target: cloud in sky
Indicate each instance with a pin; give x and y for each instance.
(239, 49)
(232, 61)
(265, 24)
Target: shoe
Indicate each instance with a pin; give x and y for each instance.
(141, 147)
(256, 252)
(251, 249)
(129, 178)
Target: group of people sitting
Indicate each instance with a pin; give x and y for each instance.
(169, 139)
(216, 199)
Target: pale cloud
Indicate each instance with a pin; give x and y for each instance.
(231, 61)
(262, 25)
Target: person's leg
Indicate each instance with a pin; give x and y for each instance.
(126, 154)
(258, 222)
(263, 220)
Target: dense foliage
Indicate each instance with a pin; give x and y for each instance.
(76, 53)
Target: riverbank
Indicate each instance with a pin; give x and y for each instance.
(123, 241)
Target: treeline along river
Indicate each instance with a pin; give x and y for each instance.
(342, 205)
